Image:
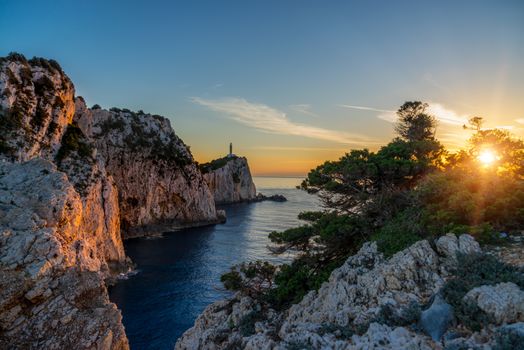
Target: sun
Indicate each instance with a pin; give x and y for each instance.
(487, 157)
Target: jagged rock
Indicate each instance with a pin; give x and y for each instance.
(274, 198)
(351, 299)
(437, 318)
(383, 337)
(504, 301)
(229, 179)
(160, 187)
(52, 293)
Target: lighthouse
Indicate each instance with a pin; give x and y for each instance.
(231, 155)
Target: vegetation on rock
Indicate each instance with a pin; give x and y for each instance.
(410, 189)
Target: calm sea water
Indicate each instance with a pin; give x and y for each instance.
(179, 273)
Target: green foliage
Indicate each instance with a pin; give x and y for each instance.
(414, 124)
(96, 106)
(475, 270)
(361, 174)
(254, 278)
(399, 233)
(74, 141)
(310, 215)
(214, 164)
(50, 65)
(246, 325)
(391, 316)
(484, 204)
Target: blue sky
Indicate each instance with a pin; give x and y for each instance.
(282, 79)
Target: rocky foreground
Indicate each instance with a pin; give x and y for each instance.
(371, 303)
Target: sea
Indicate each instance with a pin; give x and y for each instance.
(178, 274)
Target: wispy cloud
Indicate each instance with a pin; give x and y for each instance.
(443, 114)
(268, 119)
(304, 109)
(300, 149)
(520, 120)
(363, 108)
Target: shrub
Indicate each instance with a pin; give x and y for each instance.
(96, 106)
(390, 316)
(246, 325)
(73, 140)
(475, 270)
(399, 233)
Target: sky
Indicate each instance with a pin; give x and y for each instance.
(290, 83)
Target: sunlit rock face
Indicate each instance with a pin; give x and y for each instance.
(159, 185)
(37, 103)
(36, 121)
(59, 217)
(52, 293)
(229, 179)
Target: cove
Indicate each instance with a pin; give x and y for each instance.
(178, 274)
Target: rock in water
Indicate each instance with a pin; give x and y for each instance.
(229, 179)
(436, 320)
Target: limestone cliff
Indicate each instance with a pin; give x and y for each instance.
(61, 211)
(229, 179)
(159, 185)
(368, 303)
(52, 294)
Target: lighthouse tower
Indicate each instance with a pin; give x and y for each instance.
(231, 155)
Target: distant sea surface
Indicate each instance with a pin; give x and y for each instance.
(179, 273)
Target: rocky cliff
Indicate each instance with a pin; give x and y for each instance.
(372, 303)
(52, 293)
(61, 209)
(229, 179)
(159, 185)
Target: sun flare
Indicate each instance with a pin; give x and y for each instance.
(487, 157)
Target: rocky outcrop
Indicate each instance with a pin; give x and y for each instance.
(61, 209)
(229, 179)
(159, 185)
(52, 292)
(367, 303)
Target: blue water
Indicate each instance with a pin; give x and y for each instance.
(179, 273)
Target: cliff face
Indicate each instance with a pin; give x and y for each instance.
(159, 184)
(59, 218)
(52, 294)
(368, 303)
(61, 212)
(229, 179)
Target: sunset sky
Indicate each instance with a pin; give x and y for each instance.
(290, 83)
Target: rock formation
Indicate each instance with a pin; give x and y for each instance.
(52, 289)
(367, 303)
(229, 179)
(61, 211)
(159, 185)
